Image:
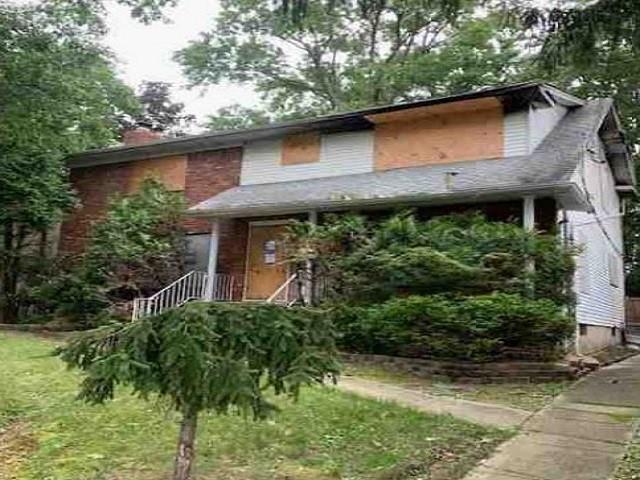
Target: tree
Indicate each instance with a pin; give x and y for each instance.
(58, 95)
(139, 246)
(216, 357)
(158, 111)
(236, 117)
(137, 249)
(344, 58)
(575, 32)
(591, 50)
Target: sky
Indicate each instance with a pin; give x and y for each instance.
(144, 53)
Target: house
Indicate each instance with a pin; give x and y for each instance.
(528, 153)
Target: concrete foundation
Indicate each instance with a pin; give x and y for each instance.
(594, 338)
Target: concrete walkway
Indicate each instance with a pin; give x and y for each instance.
(482, 413)
(580, 436)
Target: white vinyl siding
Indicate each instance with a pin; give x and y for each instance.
(542, 121)
(340, 154)
(525, 129)
(516, 134)
(600, 297)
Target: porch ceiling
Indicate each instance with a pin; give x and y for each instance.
(546, 172)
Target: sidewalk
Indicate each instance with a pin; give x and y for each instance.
(476, 412)
(581, 436)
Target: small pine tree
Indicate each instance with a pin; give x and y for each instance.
(216, 357)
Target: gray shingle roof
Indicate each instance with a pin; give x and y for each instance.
(548, 169)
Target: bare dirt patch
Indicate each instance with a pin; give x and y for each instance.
(16, 443)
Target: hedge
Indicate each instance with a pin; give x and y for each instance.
(476, 328)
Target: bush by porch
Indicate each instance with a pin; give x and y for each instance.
(454, 287)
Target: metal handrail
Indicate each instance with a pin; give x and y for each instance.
(191, 286)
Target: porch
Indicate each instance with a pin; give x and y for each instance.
(246, 256)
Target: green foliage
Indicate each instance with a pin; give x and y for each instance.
(475, 328)
(140, 244)
(348, 56)
(235, 117)
(451, 287)
(138, 248)
(369, 262)
(325, 434)
(208, 356)
(58, 95)
(576, 31)
(158, 111)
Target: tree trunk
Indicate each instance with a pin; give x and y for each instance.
(186, 445)
(9, 283)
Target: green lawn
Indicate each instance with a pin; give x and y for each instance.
(527, 396)
(45, 434)
(629, 466)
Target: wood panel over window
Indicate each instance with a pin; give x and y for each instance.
(300, 148)
(468, 130)
(171, 171)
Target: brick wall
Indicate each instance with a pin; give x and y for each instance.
(205, 175)
(210, 173)
(94, 187)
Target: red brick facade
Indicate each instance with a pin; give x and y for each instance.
(94, 187)
(208, 174)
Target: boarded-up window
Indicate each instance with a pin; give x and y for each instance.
(301, 148)
(170, 171)
(446, 133)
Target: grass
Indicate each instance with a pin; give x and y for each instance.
(526, 396)
(45, 434)
(629, 466)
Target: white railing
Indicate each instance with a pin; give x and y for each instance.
(192, 286)
(288, 293)
(222, 288)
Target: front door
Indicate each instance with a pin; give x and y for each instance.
(265, 268)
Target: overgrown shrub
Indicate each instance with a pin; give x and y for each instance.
(475, 328)
(137, 249)
(367, 262)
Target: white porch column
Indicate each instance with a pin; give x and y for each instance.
(308, 293)
(213, 259)
(529, 213)
(529, 224)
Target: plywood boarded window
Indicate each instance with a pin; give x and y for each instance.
(469, 130)
(170, 171)
(301, 148)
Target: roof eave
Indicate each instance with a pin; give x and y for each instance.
(335, 122)
(568, 193)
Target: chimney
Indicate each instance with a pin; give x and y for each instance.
(140, 135)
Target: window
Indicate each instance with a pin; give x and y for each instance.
(301, 148)
(583, 329)
(197, 254)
